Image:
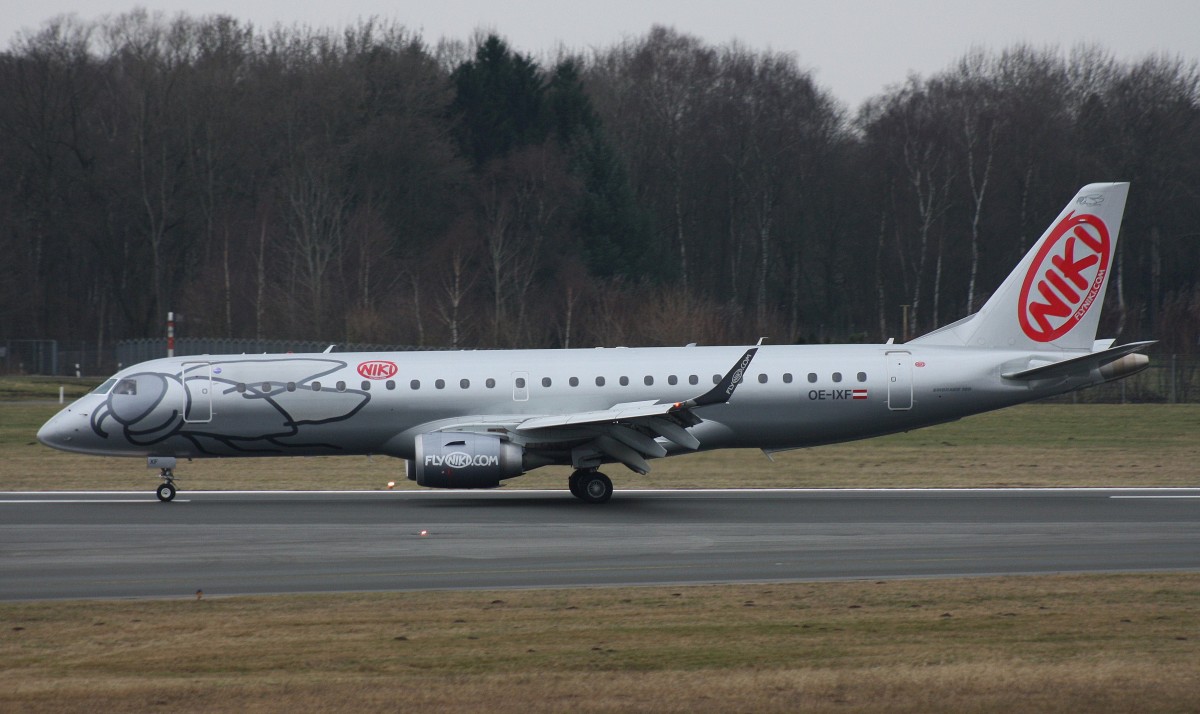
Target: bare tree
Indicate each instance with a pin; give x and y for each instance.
(317, 206)
(458, 276)
(975, 103)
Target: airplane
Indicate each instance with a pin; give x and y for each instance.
(472, 419)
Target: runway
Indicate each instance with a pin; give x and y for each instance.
(106, 545)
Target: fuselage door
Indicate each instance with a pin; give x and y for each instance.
(900, 385)
(520, 386)
(197, 391)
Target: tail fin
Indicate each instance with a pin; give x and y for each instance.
(1053, 297)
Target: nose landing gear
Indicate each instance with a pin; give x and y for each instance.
(166, 491)
(166, 471)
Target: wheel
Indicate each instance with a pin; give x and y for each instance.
(573, 483)
(166, 492)
(595, 488)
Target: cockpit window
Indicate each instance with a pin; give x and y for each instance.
(103, 388)
(126, 386)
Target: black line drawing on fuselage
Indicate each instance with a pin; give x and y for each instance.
(149, 408)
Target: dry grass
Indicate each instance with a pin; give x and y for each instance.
(1063, 643)
(1069, 643)
(1032, 445)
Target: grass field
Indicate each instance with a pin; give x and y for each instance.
(1097, 643)
(1050, 644)
(1031, 445)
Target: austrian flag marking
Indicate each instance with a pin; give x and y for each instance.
(1065, 277)
(378, 369)
(860, 394)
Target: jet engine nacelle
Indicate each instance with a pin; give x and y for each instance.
(455, 460)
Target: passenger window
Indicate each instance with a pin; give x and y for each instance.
(415, 384)
(464, 383)
(672, 380)
(787, 377)
(341, 386)
(546, 381)
(126, 386)
(837, 376)
(490, 383)
(599, 381)
(440, 384)
(693, 380)
(812, 377)
(716, 379)
(241, 388)
(316, 386)
(266, 387)
(291, 386)
(762, 379)
(574, 381)
(390, 384)
(649, 381)
(366, 386)
(624, 381)
(862, 376)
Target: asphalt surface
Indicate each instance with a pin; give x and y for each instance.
(105, 545)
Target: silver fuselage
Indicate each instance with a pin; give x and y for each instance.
(791, 396)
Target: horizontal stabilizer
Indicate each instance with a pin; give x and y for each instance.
(1082, 365)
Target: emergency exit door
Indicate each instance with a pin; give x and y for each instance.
(197, 391)
(900, 385)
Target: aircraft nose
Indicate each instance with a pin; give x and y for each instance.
(66, 430)
(53, 433)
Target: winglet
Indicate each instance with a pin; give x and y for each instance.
(724, 389)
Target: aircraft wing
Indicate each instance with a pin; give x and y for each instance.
(616, 413)
(651, 408)
(627, 432)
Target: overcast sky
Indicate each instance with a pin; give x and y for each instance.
(855, 48)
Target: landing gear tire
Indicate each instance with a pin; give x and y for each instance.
(573, 483)
(595, 487)
(166, 492)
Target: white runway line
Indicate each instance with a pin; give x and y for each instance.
(84, 500)
(1156, 497)
(73, 497)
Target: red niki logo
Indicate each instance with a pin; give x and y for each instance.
(1067, 273)
(378, 369)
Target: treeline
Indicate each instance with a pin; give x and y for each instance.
(366, 186)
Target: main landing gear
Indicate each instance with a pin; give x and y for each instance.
(166, 491)
(590, 486)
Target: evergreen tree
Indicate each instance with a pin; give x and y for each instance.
(612, 230)
(498, 103)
